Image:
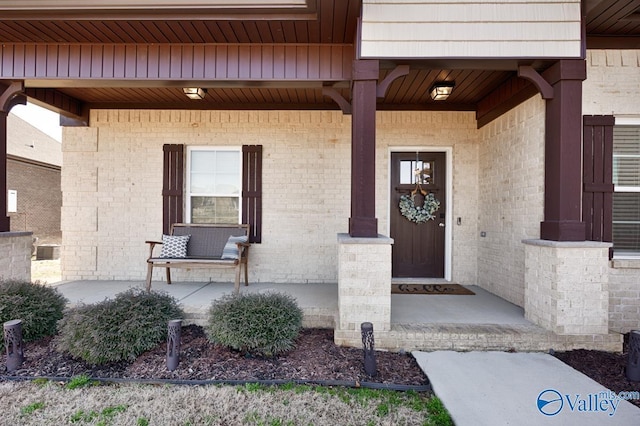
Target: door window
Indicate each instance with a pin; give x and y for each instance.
(416, 171)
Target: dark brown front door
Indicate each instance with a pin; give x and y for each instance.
(418, 248)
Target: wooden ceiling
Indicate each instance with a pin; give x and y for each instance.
(407, 93)
(611, 18)
(609, 23)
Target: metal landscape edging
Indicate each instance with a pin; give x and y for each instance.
(274, 382)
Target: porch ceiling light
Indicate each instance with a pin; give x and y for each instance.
(194, 92)
(441, 90)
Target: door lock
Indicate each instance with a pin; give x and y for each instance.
(441, 225)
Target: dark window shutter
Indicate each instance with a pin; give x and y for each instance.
(252, 190)
(597, 177)
(172, 186)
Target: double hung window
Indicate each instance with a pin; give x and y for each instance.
(626, 197)
(214, 185)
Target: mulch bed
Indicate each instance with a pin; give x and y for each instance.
(315, 358)
(606, 368)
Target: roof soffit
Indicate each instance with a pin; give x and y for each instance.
(331, 22)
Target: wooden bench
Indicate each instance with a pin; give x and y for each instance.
(204, 250)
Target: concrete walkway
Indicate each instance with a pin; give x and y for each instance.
(500, 388)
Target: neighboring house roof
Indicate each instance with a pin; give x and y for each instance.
(29, 143)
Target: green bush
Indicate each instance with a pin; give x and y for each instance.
(261, 323)
(38, 306)
(117, 329)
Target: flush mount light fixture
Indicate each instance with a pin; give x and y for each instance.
(441, 90)
(195, 92)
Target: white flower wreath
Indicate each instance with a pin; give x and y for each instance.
(419, 214)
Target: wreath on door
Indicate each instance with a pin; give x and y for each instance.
(419, 214)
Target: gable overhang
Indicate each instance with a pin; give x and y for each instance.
(152, 9)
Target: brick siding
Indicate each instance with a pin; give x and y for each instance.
(39, 200)
(511, 196)
(612, 88)
(113, 172)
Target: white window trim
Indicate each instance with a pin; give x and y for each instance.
(626, 121)
(188, 194)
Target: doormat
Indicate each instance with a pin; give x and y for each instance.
(429, 289)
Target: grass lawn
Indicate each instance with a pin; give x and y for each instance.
(82, 402)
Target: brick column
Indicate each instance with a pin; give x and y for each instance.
(15, 255)
(364, 282)
(363, 222)
(567, 286)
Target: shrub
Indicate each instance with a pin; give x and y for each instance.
(262, 323)
(117, 329)
(38, 306)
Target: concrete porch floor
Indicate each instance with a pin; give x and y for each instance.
(418, 322)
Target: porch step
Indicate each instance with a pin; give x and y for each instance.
(311, 317)
(486, 337)
(419, 281)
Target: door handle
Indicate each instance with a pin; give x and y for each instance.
(441, 225)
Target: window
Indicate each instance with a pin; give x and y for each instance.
(626, 198)
(214, 184)
(418, 171)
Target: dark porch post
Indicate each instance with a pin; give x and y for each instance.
(10, 96)
(363, 222)
(5, 225)
(563, 153)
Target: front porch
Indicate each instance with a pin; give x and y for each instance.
(426, 322)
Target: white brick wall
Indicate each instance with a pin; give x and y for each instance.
(112, 182)
(612, 83)
(511, 196)
(612, 88)
(624, 295)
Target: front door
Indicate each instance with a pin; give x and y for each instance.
(418, 248)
